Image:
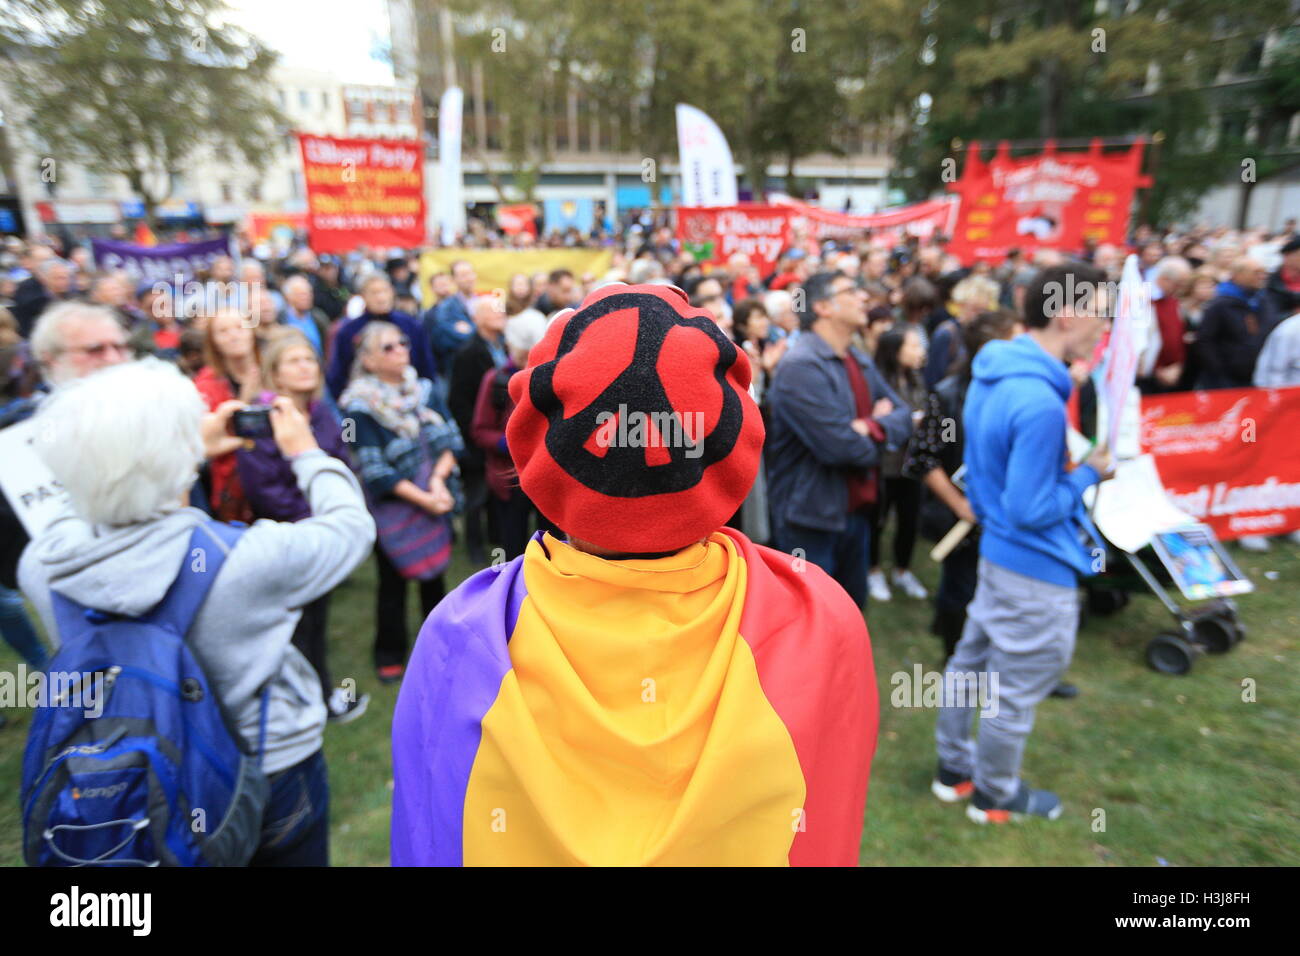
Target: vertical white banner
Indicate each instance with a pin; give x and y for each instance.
(1116, 392)
(708, 171)
(451, 202)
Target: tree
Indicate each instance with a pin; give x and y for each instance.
(139, 88)
(1062, 68)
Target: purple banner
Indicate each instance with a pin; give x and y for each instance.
(162, 263)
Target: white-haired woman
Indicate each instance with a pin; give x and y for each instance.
(126, 445)
(405, 450)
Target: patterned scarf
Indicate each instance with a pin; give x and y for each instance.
(399, 408)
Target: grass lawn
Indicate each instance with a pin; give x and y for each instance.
(1186, 772)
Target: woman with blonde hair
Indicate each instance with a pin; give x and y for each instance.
(232, 370)
(291, 369)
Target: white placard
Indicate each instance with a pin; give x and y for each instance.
(1132, 507)
(1118, 372)
(36, 495)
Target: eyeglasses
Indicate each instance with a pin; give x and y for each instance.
(402, 343)
(848, 288)
(102, 349)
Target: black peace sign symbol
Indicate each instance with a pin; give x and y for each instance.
(623, 472)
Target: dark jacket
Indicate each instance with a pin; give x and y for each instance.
(331, 300)
(1232, 331)
(947, 349)
(488, 430)
(30, 300)
(345, 348)
(267, 476)
(471, 363)
(812, 447)
(1285, 302)
(448, 327)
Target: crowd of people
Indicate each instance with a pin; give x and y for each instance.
(393, 415)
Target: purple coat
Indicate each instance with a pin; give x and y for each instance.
(267, 476)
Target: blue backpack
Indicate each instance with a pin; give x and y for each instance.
(133, 763)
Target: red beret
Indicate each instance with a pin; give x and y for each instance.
(634, 429)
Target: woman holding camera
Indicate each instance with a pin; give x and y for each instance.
(232, 370)
(291, 369)
(127, 442)
(406, 455)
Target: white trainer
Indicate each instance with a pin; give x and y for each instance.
(910, 586)
(1254, 542)
(344, 708)
(878, 586)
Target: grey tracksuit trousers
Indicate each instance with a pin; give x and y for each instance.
(1020, 632)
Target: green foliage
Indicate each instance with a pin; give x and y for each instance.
(139, 88)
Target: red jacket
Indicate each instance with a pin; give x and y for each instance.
(492, 410)
(228, 500)
(1170, 319)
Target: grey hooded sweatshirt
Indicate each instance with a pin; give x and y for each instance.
(243, 631)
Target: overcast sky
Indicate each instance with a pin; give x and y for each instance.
(333, 35)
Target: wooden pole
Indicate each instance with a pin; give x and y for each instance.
(1154, 164)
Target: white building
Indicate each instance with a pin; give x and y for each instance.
(217, 188)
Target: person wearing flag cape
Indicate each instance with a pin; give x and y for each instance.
(649, 687)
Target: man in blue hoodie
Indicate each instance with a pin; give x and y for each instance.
(1036, 540)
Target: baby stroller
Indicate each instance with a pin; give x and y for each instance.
(1137, 520)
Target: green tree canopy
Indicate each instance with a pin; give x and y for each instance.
(139, 87)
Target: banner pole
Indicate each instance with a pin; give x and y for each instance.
(1156, 140)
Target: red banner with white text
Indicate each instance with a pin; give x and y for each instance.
(1229, 457)
(715, 233)
(1052, 200)
(363, 191)
(888, 228)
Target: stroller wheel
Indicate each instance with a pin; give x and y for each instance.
(1218, 633)
(1171, 653)
(1214, 634)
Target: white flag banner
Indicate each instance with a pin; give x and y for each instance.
(708, 171)
(451, 202)
(1118, 371)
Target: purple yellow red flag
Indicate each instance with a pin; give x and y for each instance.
(714, 707)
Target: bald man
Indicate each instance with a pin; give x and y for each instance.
(1234, 326)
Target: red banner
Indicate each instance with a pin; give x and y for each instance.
(262, 225)
(922, 219)
(1051, 200)
(1229, 457)
(363, 191)
(715, 233)
(521, 217)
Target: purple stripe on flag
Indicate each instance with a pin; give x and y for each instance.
(451, 682)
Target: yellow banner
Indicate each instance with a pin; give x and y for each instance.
(496, 266)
